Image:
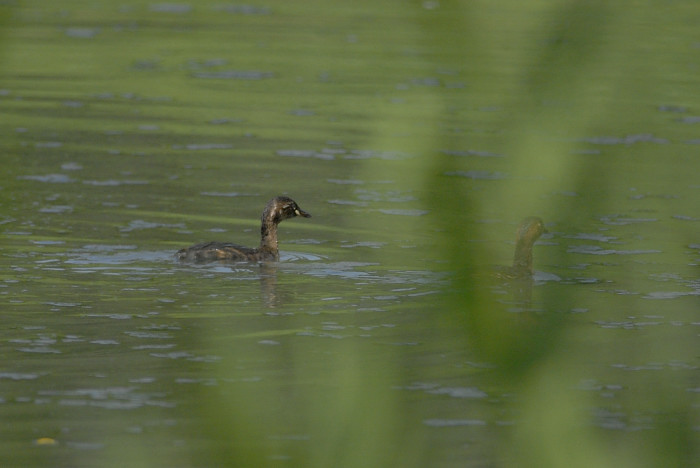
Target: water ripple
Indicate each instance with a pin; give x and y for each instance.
(49, 178)
(478, 175)
(595, 250)
(453, 422)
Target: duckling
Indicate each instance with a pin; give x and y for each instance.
(529, 230)
(277, 210)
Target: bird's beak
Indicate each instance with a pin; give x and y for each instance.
(300, 212)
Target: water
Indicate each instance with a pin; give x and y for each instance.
(381, 337)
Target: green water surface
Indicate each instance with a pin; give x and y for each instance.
(417, 134)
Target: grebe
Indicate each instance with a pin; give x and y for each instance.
(529, 230)
(277, 210)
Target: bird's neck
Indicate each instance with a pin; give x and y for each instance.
(268, 236)
(523, 256)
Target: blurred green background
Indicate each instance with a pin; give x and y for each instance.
(418, 134)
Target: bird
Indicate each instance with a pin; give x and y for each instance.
(529, 230)
(277, 210)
